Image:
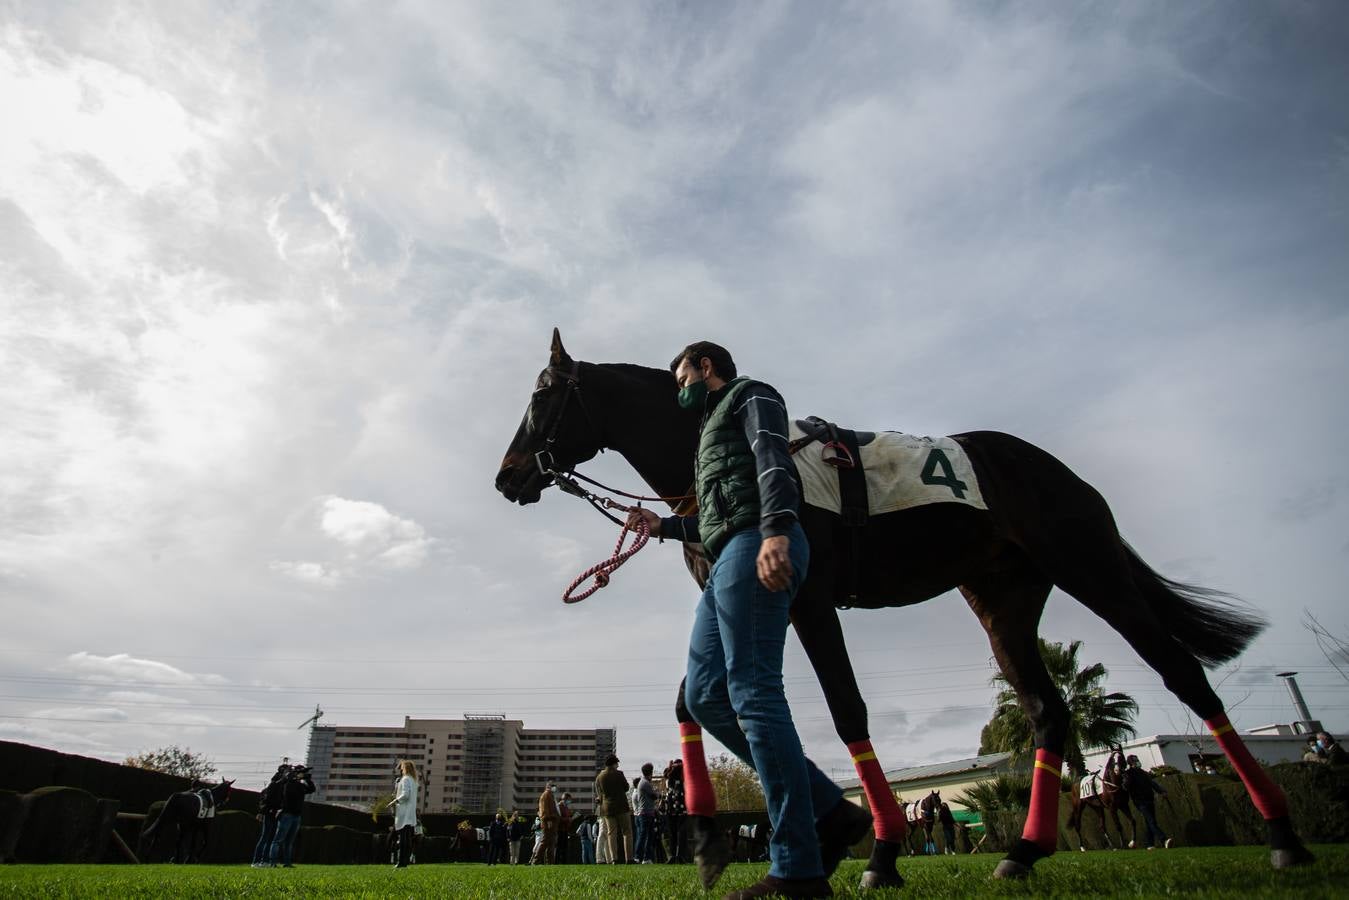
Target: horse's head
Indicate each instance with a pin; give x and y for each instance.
(221, 792)
(556, 433)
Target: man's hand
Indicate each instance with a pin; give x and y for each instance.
(775, 566)
(652, 520)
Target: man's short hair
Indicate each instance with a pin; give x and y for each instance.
(611, 760)
(647, 769)
(722, 363)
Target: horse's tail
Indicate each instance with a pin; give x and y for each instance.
(1208, 623)
(149, 831)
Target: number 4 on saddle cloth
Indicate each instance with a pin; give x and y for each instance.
(858, 474)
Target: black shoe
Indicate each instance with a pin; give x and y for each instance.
(710, 852)
(840, 828)
(784, 887)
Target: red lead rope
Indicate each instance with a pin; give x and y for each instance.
(602, 570)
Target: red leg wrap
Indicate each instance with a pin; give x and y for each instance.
(888, 818)
(1042, 822)
(1267, 796)
(699, 798)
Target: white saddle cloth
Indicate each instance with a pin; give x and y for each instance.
(902, 471)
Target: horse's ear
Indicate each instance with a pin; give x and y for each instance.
(559, 356)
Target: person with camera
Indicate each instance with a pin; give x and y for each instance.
(298, 784)
(269, 807)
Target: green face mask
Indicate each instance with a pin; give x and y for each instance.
(694, 395)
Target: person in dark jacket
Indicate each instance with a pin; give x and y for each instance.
(672, 805)
(948, 827)
(297, 785)
(498, 840)
(269, 805)
(517, 829)
(1330, 749)
(1142, 791)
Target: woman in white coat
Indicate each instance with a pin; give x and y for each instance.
(404, 806)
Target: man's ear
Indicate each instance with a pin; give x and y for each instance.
(559, 356)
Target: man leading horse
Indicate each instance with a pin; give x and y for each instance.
(748, 523)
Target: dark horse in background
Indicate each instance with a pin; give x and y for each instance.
(1110, 798)
(921, 816)
(1044, 527)
(191, 812)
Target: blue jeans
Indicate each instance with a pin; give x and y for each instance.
(646, 834)
(587, 852)
(734, 691)
(262, 852)
(287, 829)
(1149, 811)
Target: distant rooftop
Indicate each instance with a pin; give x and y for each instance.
(937, 770)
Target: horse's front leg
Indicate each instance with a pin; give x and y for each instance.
(712, 853)
(816, 623)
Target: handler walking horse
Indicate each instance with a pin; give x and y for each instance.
(1044, 527)
(1109, 796)
(921, 816)
(191, 812)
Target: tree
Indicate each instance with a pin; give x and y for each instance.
(735, 784)
(1004, 792)
(1095, 718)
(174, 760)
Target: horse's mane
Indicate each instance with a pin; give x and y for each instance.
(646, 373)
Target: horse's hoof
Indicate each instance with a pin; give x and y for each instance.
(1010, 868)
(1133, 845)
(1296, 856)
(872, 880)
(1083, 849)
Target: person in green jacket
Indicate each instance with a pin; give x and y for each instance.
(748, 523)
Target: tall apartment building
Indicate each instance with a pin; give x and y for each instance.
(478, 763)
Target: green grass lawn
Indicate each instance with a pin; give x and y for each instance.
(1191, 872)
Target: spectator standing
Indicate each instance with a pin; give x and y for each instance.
(675, 811)
(498, 839)
(548, 823)
(517, 834)
(404, 806)
(1142, 790)
(297, 785)
(269, 806)
(586, 832)
(948, 827)
(601, 837)
(644, 815)
(564, 825)
(611, 793)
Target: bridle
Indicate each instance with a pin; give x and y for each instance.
(569, 481)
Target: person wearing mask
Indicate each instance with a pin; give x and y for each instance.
(269, 805)
(404, 805)
(644, 815)
(1142, 790)
(748, 524)
(1330, 749)
(611, 793)
(498, 836)
(548, 822)
(297, 785)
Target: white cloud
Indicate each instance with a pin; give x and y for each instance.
(77, 713)
(123, 667)
(308, 572)
(370, 529)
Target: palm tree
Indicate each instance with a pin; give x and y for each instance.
(1095, 718)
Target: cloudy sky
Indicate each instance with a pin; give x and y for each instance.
(276, 279)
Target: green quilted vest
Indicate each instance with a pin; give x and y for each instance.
(725, 478)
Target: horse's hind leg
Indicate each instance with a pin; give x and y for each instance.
(1008, 603)
(711, 852)
(1123, 591)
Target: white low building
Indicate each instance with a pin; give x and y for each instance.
(1270, 744)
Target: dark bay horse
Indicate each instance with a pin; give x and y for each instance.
(191, 813)
(1044, 527)
(922, 818)
(1110, 797)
